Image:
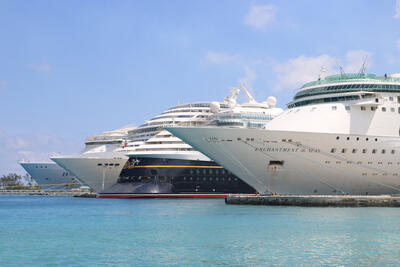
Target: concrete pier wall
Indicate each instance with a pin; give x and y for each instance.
(316, 201)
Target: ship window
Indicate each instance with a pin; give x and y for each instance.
(216, 171)
(198, 171)
(398, 109)
(337, 137)
(153, 172)
(393, 151)
(383, 109)
(239, 139)
(373, 108)
(347, 107)
(210, 171)
(348, 138)
(334, 108)
(373, 151)
(184, 178)
(210, 178)
(116, 164)
(333, 150)
(217, 179)
(223, 171)
(229, 178)
(391, 109)
(235, 179)
(362, 108)
(390, 98)
(343, 150)
(376, 100)
(204, 178)
(111, 164)
(398, 99)
(383, 151)
(191, 171)
(364, 150)
(354, 150)
(105, 164)
(358, 138)
(191, 178)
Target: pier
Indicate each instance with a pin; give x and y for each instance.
(315, 201)
(48, 193)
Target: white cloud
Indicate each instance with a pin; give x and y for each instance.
(354, 60)
(44, 67)
(295, 72)
(33, 147)
(397, 9)
(260, 16)
(249, 77)
(220, 58)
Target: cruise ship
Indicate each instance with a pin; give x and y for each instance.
(101, 169)
(49, 176)
(165, 166)
(339, 135)
(99, 160)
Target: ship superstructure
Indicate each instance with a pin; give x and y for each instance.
(339, 135)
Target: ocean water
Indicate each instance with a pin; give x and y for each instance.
(67, 231)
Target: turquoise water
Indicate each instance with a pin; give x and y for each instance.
(52, 231)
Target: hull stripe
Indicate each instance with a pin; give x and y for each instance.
(177, 166)
(162, 195)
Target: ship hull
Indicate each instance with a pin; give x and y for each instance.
(289, 162)
(175, 178)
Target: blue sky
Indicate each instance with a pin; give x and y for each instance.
(69, 69)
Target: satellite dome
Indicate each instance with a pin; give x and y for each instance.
(214, 107)
(271, 101)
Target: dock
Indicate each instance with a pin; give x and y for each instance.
(315, 200)
(48, 193)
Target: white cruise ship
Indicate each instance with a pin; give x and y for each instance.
(98, 160)
(49, 176)
(339, 135)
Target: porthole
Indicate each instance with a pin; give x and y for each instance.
(348, 138)
(383, 109)
(343, 150)
(358, 138)
(333, 150)
(364, 150)
(383, 151)
(393, 151)
(376, 139)
(373, 151)
(337, 137)
(354, 150)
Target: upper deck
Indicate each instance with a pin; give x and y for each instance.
(343, 83)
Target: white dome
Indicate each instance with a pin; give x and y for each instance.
(271, 101)
(215, 107)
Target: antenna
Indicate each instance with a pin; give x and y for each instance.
(322, 73)
(341, 70)
(363, 66)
